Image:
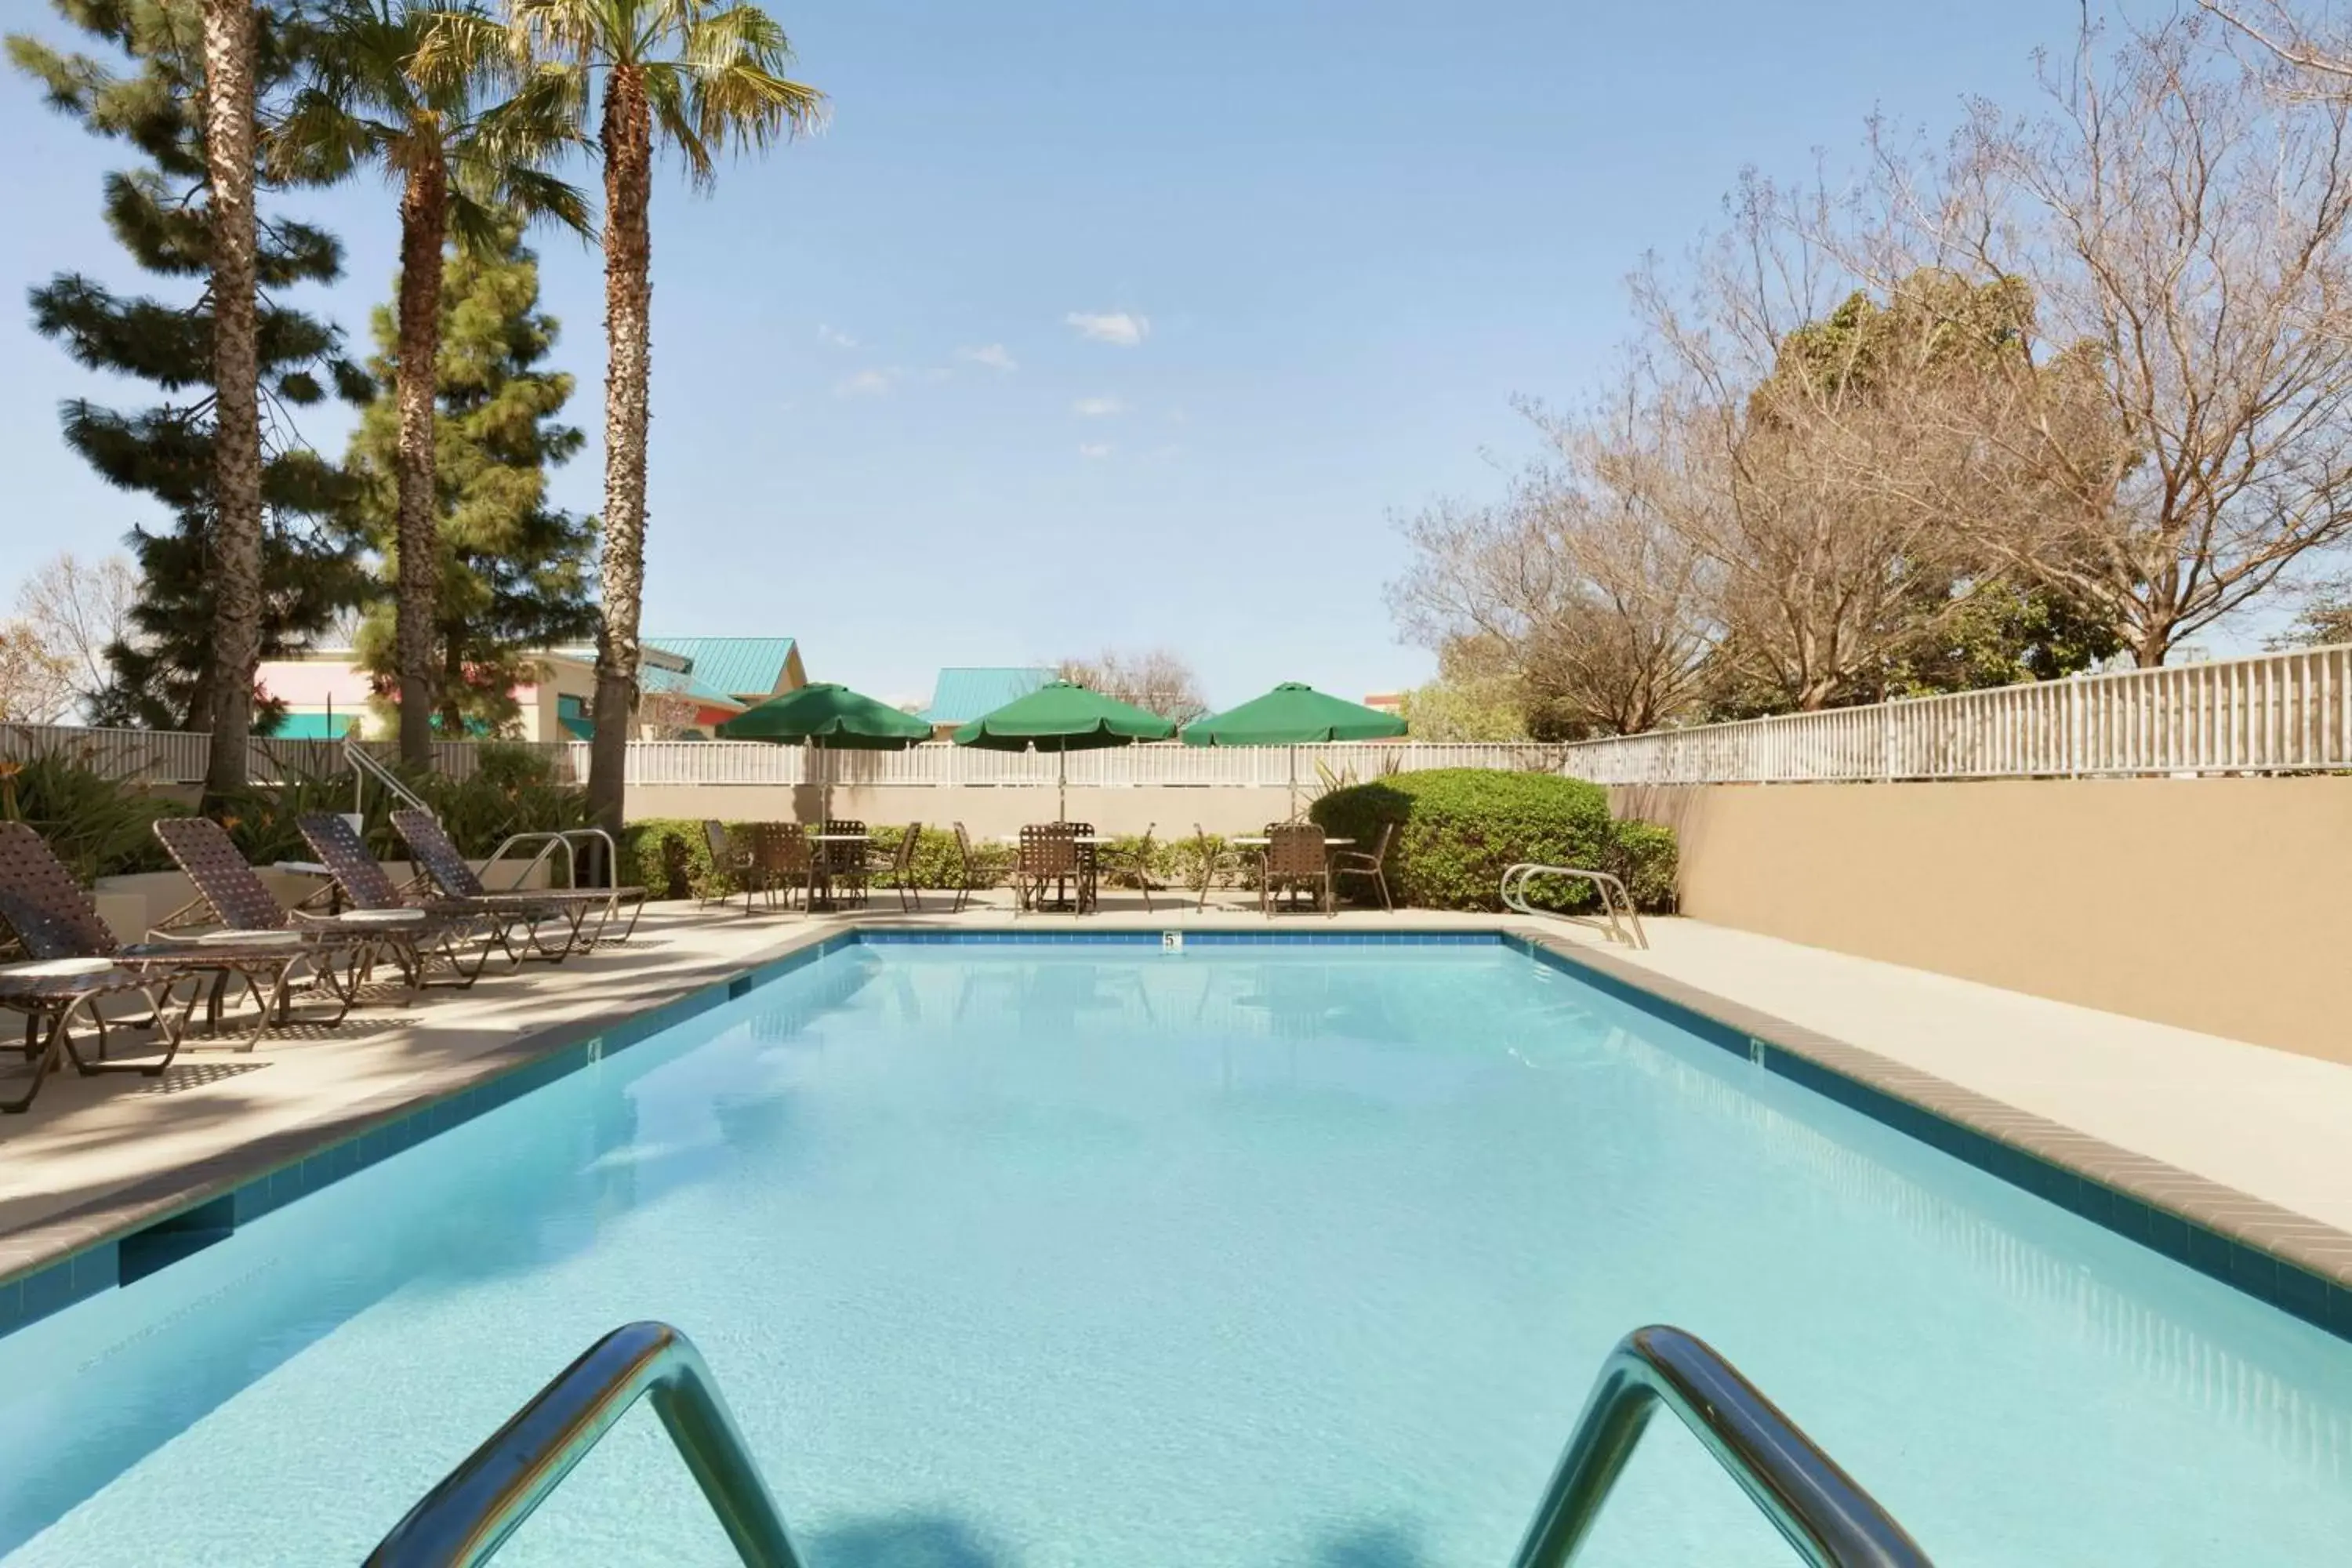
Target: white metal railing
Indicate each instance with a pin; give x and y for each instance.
(2281, 713)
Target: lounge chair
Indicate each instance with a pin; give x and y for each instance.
(53, 996)
(233, 893)
(1296, 858)
(438, 854)
(1372, 863)
(57, 924)
(449, 925)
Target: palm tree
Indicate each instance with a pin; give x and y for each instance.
(236, 374)
(705, 76)
(377, 97)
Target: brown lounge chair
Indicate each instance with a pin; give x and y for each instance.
(438, 854)
(77, 961)
(449, 923)
(1372, 863)
(231, 891)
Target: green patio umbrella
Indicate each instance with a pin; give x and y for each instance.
(1292, 714)
(1062, 716)
(828, 718)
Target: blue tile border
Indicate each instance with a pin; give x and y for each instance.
(206, 1215)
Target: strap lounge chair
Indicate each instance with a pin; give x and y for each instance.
(781, 859)
(59, 926)
(438, 854)
(55, 995)
(448, 926)
(1372, 863)
(1296, 858)
(1047, 853)
(232, 892)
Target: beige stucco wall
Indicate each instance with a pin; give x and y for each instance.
(2223, 905)
(1167, 809)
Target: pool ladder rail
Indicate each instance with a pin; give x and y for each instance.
(1823, 1511)
(1613, 897)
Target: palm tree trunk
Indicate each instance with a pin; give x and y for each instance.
(416, 607)
(228, 112)
(627, 138)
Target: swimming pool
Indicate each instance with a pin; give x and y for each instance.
(1289, 1254)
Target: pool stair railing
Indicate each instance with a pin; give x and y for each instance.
(1822, 1512)
(1613, 897)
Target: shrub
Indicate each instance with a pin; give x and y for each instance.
(1459, 828)
(1643, 857)
(99, 825)
(683, 872)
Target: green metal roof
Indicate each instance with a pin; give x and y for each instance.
(732, 667)
(652, 677)
(964, 693)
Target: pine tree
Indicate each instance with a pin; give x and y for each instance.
(514, 571)
(158, 212)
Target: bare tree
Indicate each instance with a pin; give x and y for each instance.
(76, 609)
(1574, 582)
(1156, 679)
(2185, 227)
(33, 688)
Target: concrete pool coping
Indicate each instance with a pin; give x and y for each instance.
(63, 1252)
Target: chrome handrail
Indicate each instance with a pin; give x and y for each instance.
(466, 1519)
(1514, 896)
(1823, 1511)
(366, 765)
(550, 840)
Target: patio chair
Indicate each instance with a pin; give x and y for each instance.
(232, 892)
(447, 924)
(1089, 885)
(1296, 858)
(900, 867)
(1214, 859)
(730, 859)
(57, 925)
(1048, 852)
(967, 869)
(781, 857)
(1372, 863)
(1134, 861)
(842, 864)
(437, 853)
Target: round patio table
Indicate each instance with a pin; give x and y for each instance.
(821, 865)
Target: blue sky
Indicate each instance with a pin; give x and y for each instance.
(1111, 324)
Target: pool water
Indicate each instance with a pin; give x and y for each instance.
(1061, 1255)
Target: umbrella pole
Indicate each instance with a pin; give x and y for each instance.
(1062, 786)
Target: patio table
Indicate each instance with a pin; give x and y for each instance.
(1259, 841)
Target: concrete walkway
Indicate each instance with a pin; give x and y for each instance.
(2274, 1125)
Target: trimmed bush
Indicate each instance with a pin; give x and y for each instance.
(1458, 829)
(1645, 857)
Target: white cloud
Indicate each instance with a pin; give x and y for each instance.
(866, 383)
(1097, 408)
(836, 336)
(1116, 327)
(992, 355)
(1094, 449)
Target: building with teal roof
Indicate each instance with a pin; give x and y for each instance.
(964, 692)
(748, 669)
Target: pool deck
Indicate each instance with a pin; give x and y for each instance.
(2252, 1141)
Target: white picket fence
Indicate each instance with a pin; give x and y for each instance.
(674, 762)
(2281, 713)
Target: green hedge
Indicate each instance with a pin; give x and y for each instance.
(1174, 863)
(1459, 828)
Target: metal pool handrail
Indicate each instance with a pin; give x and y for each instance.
(1514, 895)
(1823, 1511)
(466, 1519)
